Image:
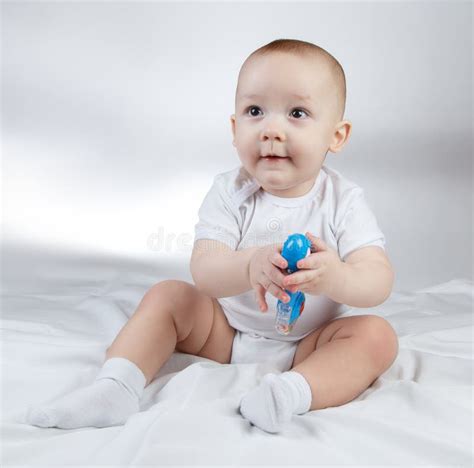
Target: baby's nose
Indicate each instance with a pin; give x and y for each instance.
(272, 133)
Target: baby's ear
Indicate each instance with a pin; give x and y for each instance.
(341, 136)
(232, 124)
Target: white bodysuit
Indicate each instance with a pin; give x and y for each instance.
(239, 213)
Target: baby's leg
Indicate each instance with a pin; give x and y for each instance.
(173, 315)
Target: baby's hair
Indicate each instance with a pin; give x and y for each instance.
(308, 49)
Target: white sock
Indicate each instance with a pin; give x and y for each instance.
(276, 399)
(109, 401)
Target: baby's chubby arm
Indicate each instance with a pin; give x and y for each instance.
(219, 271)
(368, 278)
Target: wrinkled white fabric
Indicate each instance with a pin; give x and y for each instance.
(56, 329)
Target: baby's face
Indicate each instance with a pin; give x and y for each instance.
(284, 107)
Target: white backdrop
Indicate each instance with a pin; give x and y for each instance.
(115, 119)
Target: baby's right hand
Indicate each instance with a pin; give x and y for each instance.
(265, 274)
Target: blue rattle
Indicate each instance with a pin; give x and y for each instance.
(296, 247)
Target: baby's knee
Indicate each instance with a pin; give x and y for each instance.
(383, 340)
(176, 293)
(169, 287)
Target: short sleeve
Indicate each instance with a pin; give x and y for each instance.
(356, 225)
(218, 218)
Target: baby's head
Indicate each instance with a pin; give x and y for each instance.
(289, 102)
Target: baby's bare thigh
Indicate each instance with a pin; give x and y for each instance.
(203, 329)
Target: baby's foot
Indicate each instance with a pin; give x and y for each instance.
(272, 404)
(104, 403)
(261, 405)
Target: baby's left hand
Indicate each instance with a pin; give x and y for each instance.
(320, 272)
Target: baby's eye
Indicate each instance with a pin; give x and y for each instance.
(252, 108)
(297, 111)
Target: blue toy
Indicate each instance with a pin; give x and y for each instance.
(296, 247)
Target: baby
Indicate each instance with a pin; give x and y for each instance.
(289, 108)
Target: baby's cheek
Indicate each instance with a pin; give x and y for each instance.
(249, 162)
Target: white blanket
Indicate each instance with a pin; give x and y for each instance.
(58, 321)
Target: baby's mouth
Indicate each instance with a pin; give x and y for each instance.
(275, 158)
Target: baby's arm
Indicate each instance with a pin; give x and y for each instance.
(219, 271)
(368, 278)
